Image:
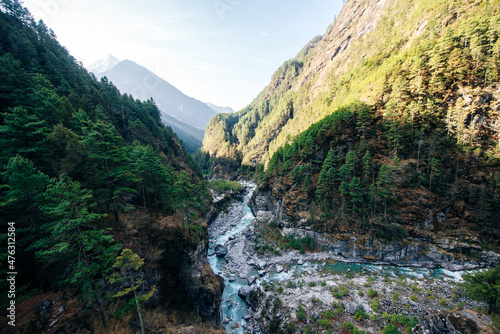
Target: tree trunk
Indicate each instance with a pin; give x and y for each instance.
(138, 310)
(115, 212)
(101, 308)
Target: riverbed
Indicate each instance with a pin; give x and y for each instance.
(319, 272)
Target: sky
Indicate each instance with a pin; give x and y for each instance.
(219, 51)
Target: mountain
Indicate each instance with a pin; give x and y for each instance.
(403, 57)
(143, 84)
(217, 109)
(104, 64)
(91, 181)
(386, 124)
(378, 143)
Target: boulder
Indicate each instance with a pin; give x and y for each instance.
(244, 292)
(221, 250)
(251, 280)
(352, 307)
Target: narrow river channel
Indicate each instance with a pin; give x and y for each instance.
(234, 309)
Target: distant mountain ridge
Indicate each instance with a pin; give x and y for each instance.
(217, 109)
(187, 116)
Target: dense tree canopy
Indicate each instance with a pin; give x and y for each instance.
(73, 151)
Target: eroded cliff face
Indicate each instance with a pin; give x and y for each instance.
(176, 262)
(421, 246)
(186, 281)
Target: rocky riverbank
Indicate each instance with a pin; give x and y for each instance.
(290, 290)
(420, 249)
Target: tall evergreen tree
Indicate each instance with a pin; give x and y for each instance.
(383, 185)
(357, 193)
(24, 134)
(75, 241)
(110, 167)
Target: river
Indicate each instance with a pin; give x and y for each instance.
(233, 228)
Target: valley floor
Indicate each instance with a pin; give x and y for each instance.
(289, 291)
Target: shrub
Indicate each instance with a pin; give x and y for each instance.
(443, 303)
(301, 313)
(372, 293)
(359, 315)
(324, 322)
(375, 304)
(390, 329)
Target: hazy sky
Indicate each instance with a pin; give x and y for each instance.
(219, 51)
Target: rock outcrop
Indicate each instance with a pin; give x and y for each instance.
(417, 251)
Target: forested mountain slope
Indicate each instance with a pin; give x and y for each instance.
(187, 116)
(385, 129)
(87, 173)
(430, 63)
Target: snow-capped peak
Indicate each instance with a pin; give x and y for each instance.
(104, 64)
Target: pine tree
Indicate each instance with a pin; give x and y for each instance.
(24, 134)
(484, 286)
(110, 167)
(130, 279)
(367, 167)
(383, 185)
(357, 193)
(184, 195)
(24, 186)
(155, 179)
(326, 178)
(346, 171)
(74, 240)
(344, 191)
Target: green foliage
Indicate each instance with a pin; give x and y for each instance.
(73, 149)
(372, 292)
(72, 239)
(484, 286)
(375, 304)
(401, 319)
(301, 244)
(390, 329)
(351, 328)
(360, 315)
(339, 292)
(301, 312)
(129, 278)
(222, 186)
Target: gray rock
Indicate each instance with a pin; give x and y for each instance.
(352, 307)
(251, 280)
(232, 278)
(256, 262)
(300, 262)
(221, 250)
(244, 292)
(279, 268)
(262, 273)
